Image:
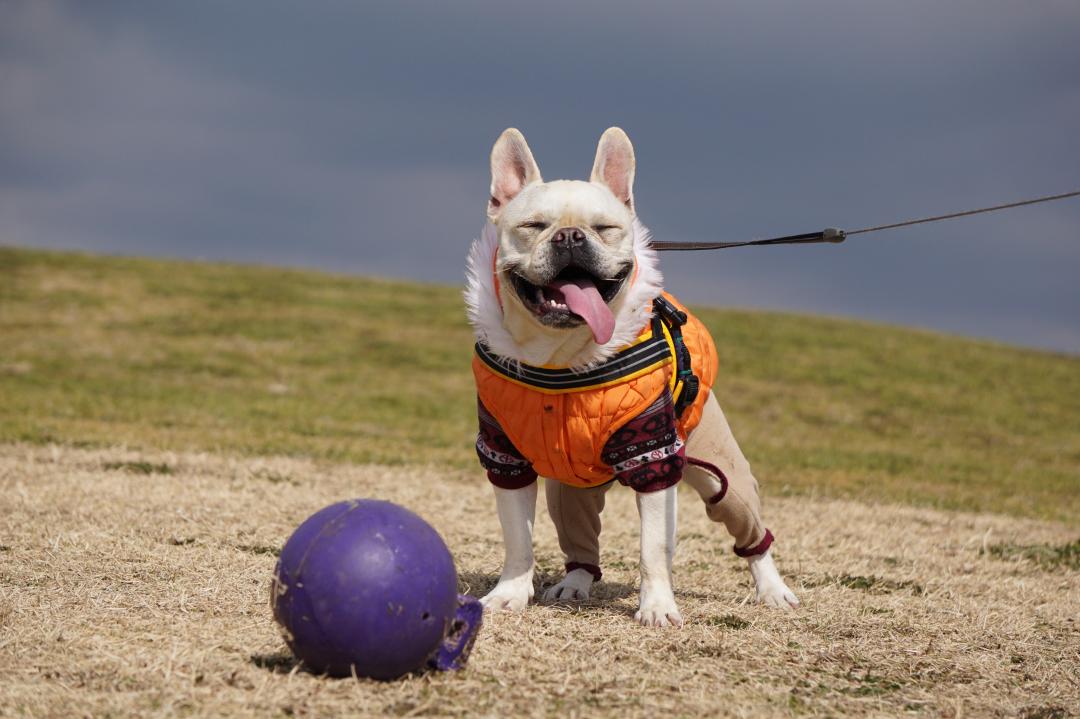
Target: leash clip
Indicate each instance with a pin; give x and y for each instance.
(831, 234)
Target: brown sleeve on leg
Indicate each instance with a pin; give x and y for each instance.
(712, 449)
(575, 511)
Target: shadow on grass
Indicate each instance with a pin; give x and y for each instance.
(277, 663)
(476, 583)
(604, 594)
(284, 663)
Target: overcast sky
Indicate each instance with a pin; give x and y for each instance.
(354, 136)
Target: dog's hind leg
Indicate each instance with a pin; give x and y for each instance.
(720, 474)
(517, 509)
(575, 512)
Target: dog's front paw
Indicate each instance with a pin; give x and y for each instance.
(657, 609)
(574, 587)
(509, 595)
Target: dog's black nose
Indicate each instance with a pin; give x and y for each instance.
(568, 237)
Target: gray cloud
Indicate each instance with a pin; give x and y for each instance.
(354, 137)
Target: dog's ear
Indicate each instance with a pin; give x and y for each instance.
(614, 165)
(512, 167)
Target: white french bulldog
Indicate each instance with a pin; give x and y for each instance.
(563, 277)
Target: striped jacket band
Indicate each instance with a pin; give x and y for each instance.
(635, 358)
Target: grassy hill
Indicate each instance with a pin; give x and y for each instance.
(101, 351)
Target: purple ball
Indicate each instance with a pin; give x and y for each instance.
(365, 586)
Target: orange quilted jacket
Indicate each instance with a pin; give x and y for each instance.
(560, 420)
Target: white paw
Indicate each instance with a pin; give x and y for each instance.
(771, 590)
(574, 587)
(509, 595)
(657, 609)
(777, 595)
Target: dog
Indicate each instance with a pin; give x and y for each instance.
(587, 372)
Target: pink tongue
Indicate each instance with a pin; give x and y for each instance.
(584, 300)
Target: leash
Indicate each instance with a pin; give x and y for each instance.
(833, 235)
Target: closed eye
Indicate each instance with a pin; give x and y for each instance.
(533, 225)
(603, 228)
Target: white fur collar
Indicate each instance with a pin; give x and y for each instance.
(485, 312)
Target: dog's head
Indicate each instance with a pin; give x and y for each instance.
(568, 252)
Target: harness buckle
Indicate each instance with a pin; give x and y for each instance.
(674, 316)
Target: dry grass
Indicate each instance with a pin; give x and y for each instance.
(135, 584)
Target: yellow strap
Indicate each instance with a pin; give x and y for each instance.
(674, 384)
